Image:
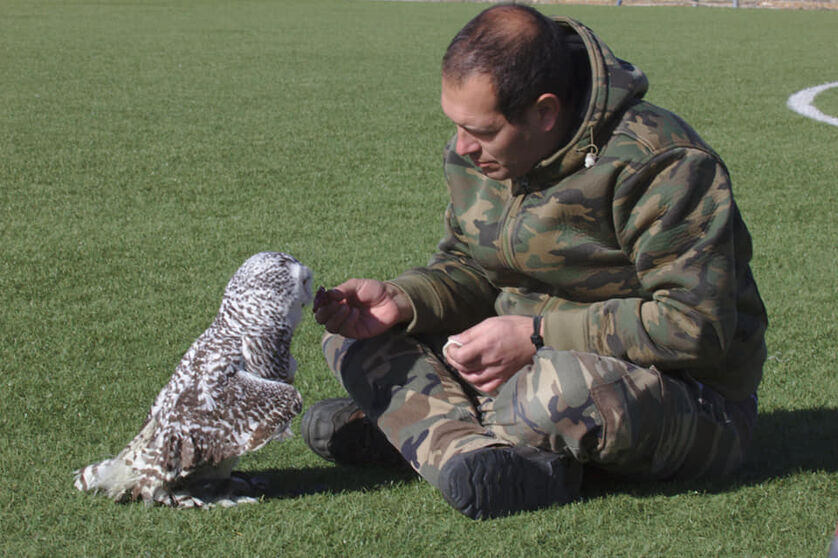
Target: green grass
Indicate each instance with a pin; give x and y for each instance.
(148, 148)
(827, 101)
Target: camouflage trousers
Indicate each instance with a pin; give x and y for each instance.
(611, 414)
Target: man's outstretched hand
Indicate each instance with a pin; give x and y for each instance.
(361, 308)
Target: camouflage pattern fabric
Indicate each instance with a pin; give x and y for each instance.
(643, 257)
(609, 413)
(639, 263)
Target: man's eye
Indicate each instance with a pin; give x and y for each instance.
(483, 134)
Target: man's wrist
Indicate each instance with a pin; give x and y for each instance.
(536, 337)
(402, 302)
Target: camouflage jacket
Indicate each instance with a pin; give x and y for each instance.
(643, 256)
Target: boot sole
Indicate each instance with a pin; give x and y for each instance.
(496, 482)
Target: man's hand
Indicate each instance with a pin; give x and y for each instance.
(489, 353)
(362, 308)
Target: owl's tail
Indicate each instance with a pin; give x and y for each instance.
(112, 477)
(120, 477)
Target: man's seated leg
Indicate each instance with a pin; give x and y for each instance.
(426, 412)
(620, 417)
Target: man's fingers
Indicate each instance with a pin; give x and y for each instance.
(449, 344)
(324, 312)
(320, 299)
(338, 319)
(469, 356)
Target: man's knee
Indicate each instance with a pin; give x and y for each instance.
(371, 370)
(335, 347)
(548, 405)
(589, 405)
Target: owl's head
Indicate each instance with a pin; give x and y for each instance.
(268, 290)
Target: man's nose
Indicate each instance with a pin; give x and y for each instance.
(466, 143)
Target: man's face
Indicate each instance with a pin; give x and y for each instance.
(498, 147)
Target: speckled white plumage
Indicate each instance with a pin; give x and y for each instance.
(230, 394)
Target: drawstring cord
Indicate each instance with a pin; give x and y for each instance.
(592, 150)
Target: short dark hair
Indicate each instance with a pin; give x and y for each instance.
(522, 50)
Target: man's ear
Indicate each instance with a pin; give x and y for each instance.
(548, 107)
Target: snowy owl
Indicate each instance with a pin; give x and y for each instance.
(230, 394)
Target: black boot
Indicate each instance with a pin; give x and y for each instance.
(337, 430)
(497, 481)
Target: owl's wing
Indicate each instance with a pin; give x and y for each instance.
(261, 408)
(248, 412)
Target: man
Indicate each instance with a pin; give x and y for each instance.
(591, 301)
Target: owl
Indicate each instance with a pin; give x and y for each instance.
(230, 394)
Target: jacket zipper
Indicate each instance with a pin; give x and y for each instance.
(507, 252)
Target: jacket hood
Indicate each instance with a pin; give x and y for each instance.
(611, 85)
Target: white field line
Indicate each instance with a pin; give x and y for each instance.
(801, 103)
